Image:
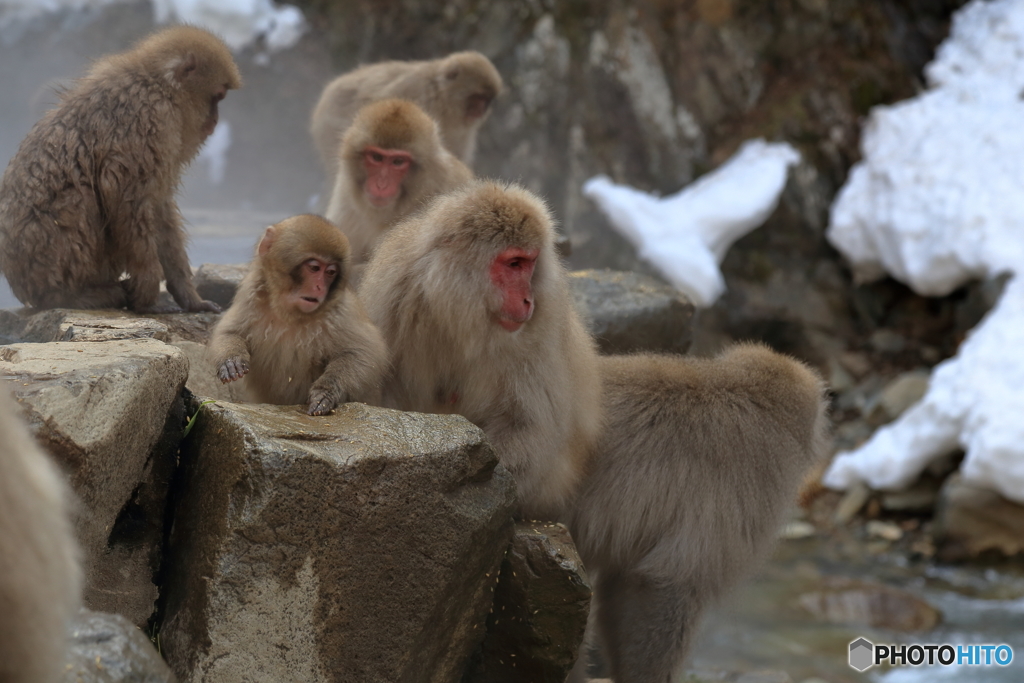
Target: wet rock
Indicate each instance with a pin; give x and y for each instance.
(62, 324)
(857, 603)
(796, 530)
(540, 610)
(107, 648)
(851, 503)
(887, 531)
(887, 341)
(631, 312)
(970, 520)
(111, 414)
(218, 283)
(919, 498)
(349, 547)
(903, 392)
(858, 364)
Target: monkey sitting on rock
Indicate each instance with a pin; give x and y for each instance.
(296, 332)
(89, 197)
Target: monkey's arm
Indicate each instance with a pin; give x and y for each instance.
(357, 374)
(228, 347)
(174, 260)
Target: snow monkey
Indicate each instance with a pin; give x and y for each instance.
(673, 473)
(40, 579)
(89, 196)
(456, 91)
(686, 491)
(476, 308)
(295, 330)
(390, 160)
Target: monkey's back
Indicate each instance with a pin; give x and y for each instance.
(717, 446)
(70, 196)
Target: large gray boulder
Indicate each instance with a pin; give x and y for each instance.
(631, 312)
(351, 547)
(107, 648)
(111, 415)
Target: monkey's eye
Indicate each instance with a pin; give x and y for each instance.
(399, 162)
(515, 263)
(379, 158)
(332, 271)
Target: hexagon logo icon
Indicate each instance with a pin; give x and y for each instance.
(862, 654)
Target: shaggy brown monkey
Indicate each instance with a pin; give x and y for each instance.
(475, 306)
(295, 330)
(39, 573)
(456, 91)
(89, 196)
(391, 159)
(686, 491)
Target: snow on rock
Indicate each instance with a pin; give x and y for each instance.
(938, 200)
(686, 235)
(238, 22)
(974, 401)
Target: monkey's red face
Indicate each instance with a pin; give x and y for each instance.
(477, 105)
(385, 171)
(512, 273)
(313, 280)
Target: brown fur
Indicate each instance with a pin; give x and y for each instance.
(89, 195)
(393, 125)
(687, 490)
(327, 357)
(39, 572)
(535, 392)
(442, 87)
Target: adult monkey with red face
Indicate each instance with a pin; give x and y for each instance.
(295, 331)
(681, 490)
(476, 305)
(89, 197)
(390, 160)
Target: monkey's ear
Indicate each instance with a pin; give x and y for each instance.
(452, 73)
(186, 67)
(266, 241)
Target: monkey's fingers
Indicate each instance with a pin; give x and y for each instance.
(320, 403)
(205, 305)
(232, 369)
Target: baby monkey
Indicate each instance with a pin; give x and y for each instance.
(295, 332)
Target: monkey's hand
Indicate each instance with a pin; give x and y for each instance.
(322, 401)
(204, 305)
(232, 369)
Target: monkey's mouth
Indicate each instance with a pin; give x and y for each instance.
(308, 304)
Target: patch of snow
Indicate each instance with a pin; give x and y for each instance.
(686, 235)
(238, 22)
(939, 200)
(214, 152)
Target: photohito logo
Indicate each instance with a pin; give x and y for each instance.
(865, 654)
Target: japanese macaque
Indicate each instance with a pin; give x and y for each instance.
(391, 160)
(476, 309)
(699, 461)
(296, 332)
(456, 91)
(673, 473)
(40, 579)
(87, 211)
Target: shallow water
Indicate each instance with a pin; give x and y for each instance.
(763, 627)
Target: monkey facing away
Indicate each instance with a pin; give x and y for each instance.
(456, 91)
(699, 460)
(390, 161)
(476, 309)
(40, 578)
(89, 196)
(295, 331)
